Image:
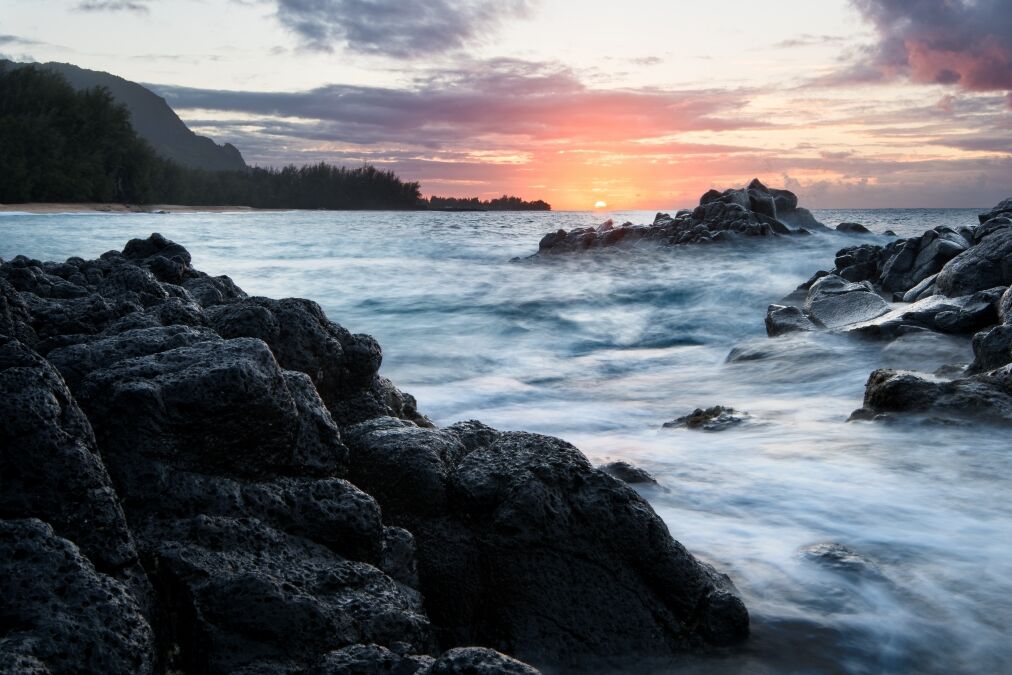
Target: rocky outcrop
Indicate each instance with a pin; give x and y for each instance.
(752, 211)
(196, 480)
(715, 418)
(948, 281)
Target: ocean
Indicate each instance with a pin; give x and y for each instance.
(602, 349)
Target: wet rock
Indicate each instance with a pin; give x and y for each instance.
(752, 211)
(938, 313)
(986, 265)
(834, 302)
(210, 291)
(627, 473)
(992, 348)
(1002, 209)
(1005, 307)
(478, 661)
(986, 397)
(505, 575)
(852, 228)
(369, 659)
(839, 558)
(716, 418)
(62, 616)
(781, 320)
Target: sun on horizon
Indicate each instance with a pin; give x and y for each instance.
(600, 204)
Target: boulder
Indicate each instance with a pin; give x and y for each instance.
(1005, 307)
(937, 313)
(986, 397)
(60, 615)
(217, 407)
(781, 320)
(343, 367)
(992, 348)
(986, 265)
(244, 594)
(852, 228)
(717, 418)
(50, 467)
(1002, 209)
(834, 302)
(507, 574)
(627, 473)
(15, 320)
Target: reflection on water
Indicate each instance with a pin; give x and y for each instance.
(602, 349)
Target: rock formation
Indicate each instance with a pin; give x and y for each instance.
(752, 211)
(953, 281)
(197, 480)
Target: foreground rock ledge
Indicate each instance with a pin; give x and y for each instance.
(197, 480)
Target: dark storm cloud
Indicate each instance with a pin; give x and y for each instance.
(398, 28)
(952, 42)
(140, 6)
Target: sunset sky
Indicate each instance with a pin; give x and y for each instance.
(640, 103)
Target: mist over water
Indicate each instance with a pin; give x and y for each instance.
(601, 349)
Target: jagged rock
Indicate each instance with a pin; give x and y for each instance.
(834, 302)
(839, 558)
(721, 216)
(781, 320)
(76, 361)
(50, 468)
(1005, 307)
(986, 397)
(343, 366)
(244, 593)
(505, 576)
(938, 313)
(59, 615)
(716, 418)
(992, 348)
(627, 473)
(219, 407)
(369, 659)
(1002, 209)
(15, 320)
(852, 228)
(985, 265)
(478, 661)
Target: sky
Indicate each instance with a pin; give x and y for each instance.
(642, 104)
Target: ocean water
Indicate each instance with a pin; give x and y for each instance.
(601, 349)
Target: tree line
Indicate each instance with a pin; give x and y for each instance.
(58, 144)
(504, 203)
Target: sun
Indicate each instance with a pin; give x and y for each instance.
(600, 204)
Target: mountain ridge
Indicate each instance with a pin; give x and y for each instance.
(153, 119)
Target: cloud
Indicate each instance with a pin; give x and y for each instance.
(505, 98)
(964, 43)
(808, 40)
(16, 41)
(397, 28)
(138, 6)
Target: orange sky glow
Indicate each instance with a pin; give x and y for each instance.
(643, 105)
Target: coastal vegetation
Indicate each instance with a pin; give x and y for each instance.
(66, 145)
(504, 203)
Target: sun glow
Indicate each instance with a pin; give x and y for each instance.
(600, 204)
